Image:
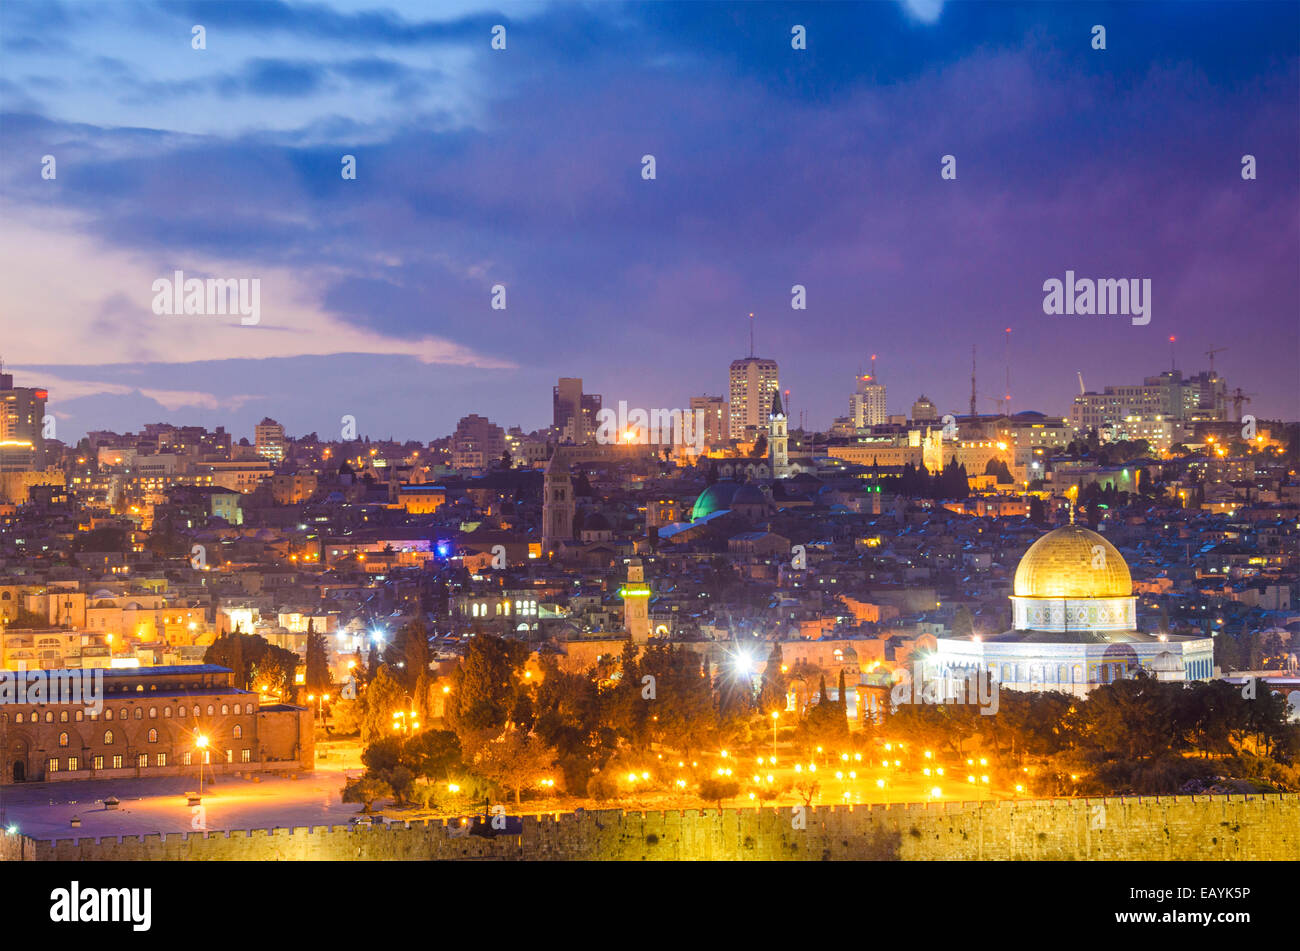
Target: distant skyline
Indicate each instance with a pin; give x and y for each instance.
(522, 167)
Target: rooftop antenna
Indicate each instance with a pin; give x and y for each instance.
(751, 335)
(1172, 364)
(972, 381)
(1008, 394)
(873, 368)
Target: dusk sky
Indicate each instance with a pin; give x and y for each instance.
(523, 167)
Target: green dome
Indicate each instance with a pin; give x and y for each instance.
(714, 499)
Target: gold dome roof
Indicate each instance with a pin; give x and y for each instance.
(1063, 564)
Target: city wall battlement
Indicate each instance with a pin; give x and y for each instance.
(1233, 827)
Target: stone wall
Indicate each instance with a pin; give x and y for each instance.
(1233, 827)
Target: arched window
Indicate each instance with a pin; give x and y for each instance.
(18, 718)
(63, 716)
(63, 739)
(49, 716)
(167, 712)
(153, 736)
(139, 713)
(121, 714)
(211, 709)
(225, 708)
(153, 713)
(108, 737)
(196, 709)
(239, 731)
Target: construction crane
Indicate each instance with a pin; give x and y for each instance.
(1210, 354)
(1238, 397)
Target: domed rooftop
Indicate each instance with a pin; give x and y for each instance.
(1067, 563)
(715, 498)
(748, 494)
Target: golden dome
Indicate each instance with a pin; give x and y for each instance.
(1066, 563)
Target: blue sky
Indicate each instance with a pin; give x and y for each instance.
(522, 167)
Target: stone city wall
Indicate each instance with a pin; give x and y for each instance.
(1235, 827)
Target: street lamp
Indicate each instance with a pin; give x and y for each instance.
(201, 743)
(776, 715)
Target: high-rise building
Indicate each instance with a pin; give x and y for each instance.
(22, 422)
(574, 412)
(717, 418)
(867, 405)
(268, 438)
(1158, 398)
(477, 443)
(753, 384)
(924, 411)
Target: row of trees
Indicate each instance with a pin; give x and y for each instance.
(512, 728)
(1139, 734)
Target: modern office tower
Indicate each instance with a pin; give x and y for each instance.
(867, 405)
(923, 411)
(22, 422)
(269, 440)
(477, 443)
(753, 384)
(590, 413)
(778, 440)
(1158, 398)
(717, 418)
(574, 413)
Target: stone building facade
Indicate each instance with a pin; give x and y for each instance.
(149, 722)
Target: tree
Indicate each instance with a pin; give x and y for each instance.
(963, 622)
(433, 754)
(773, 688)
(383, 697)
(256, 663)
(514, 760)
(484, 685)
(317, 674)
(366, 789)
(807, 788)
(715, 790)
(844, 701)
(408, 653)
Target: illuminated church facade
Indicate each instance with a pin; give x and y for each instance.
(1074, 626)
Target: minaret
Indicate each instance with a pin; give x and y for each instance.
(558, 505)
(636, 603)
(778, 440)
